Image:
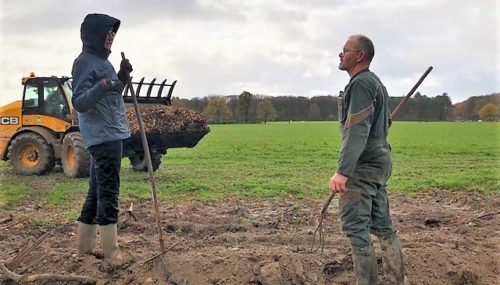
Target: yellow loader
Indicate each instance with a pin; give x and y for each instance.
(41, 130)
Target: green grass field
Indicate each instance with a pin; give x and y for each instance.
(282, 160)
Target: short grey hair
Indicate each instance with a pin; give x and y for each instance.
(366, 45)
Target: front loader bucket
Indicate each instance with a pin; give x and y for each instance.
(158, 98)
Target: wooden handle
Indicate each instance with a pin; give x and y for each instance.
(401, 104)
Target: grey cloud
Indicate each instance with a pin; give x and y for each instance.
(25, 16)
(272, 46)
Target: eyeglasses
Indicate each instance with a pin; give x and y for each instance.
(347, 50)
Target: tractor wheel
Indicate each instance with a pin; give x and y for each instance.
(30, 154)
(138, 161)
(75, 158)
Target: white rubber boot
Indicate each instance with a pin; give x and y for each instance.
(109, 240)
(87, 235)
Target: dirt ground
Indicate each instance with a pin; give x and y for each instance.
(447, 238)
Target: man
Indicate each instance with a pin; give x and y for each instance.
(365, 165)
(53, 102)
(103, 125)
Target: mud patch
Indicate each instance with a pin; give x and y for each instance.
(447, 238)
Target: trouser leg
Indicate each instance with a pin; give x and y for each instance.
(355, 214)
(381, 222)
(89, 208)
(87, 230)
(108, 163)
(107, 158)
(382, 227)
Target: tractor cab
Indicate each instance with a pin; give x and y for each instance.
(40, 131)
(47, 97)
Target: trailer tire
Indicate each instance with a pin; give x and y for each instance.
(75, 158)
(138, 161)
(30, 154)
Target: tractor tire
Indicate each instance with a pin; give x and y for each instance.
(138, 161)
(30, 154)
(75, 158)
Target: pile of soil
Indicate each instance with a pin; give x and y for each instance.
(166, 126)
(447, 238)
(166, 120)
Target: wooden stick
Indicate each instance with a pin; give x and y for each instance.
(5, 220)
(407, 97)
(160, 254)
(13, 224)
(45, 277)
(131, 213)
(36, 261)
(29, 248)
(486, 215)
(147, 157)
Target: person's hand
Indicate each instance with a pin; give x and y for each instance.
(125, 66)
(125, 69)
(115, 85)
(338, 183)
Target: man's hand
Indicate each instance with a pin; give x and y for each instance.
(337, 183)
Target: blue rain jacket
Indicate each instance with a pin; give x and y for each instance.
(101, 112)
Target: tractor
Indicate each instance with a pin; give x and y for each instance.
(41, 130)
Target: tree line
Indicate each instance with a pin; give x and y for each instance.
(255, 108)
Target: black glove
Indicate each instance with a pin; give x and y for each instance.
(123, 76)
(125, 66)
(125, 69)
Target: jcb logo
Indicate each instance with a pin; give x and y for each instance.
(9, 120)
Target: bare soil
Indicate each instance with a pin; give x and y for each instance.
(447, 238)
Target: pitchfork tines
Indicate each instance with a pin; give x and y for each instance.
(319, 229)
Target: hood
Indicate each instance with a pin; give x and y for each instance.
(93, 32)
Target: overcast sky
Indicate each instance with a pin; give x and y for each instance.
(273, 47)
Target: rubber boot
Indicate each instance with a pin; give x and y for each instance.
(113, 258)
(87, 235)
(392, 260)
(365, 266)
(109, 240)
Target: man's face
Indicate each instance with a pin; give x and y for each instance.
(109, 39)
(349, 55)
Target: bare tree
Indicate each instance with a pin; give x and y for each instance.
(217, 111)
(266, 111)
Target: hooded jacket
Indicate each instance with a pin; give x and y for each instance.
(101, 112)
